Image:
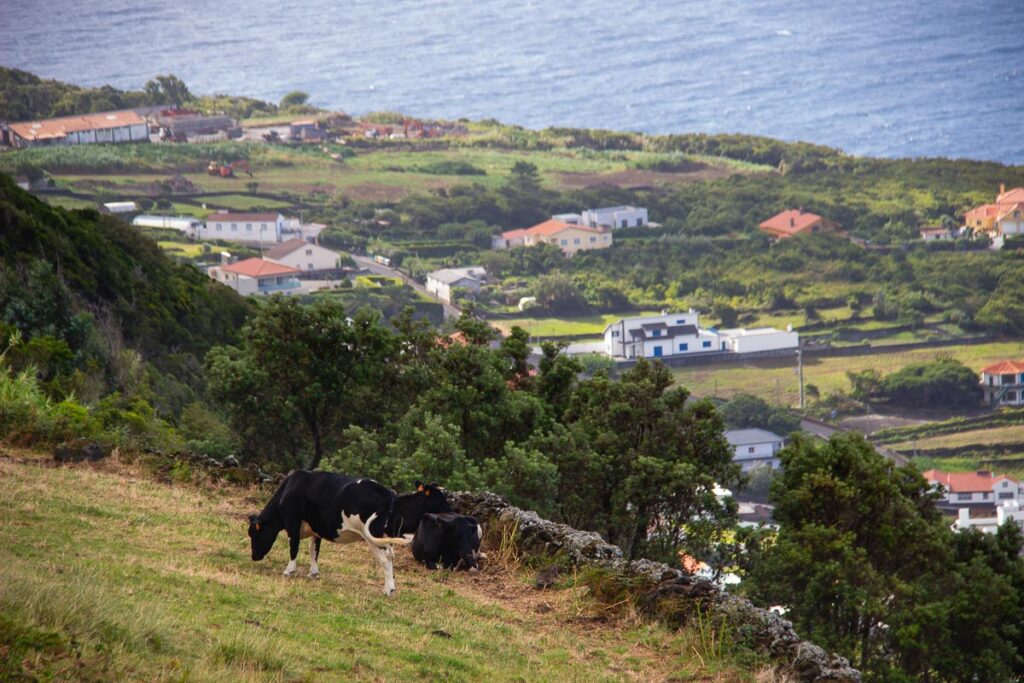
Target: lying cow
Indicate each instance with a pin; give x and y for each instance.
(449, 539)
(342, 509)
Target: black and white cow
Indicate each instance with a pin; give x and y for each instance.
(342, 509)
(448, 539)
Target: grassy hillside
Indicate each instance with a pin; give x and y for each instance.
(106, 574)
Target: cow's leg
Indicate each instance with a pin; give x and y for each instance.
(293, 547)
(384, 559)
(314, 553)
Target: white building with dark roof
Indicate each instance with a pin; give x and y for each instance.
(755, 448)
(440, 283)
(669, 334)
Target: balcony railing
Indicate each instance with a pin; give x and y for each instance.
(284, 285)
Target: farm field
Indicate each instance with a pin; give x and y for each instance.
(386, 173)
(108, 574)
(1012, 434)
(775, 379)
(242, 202)
(564, 326)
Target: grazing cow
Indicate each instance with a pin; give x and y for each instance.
(448, 538)
(342, 509)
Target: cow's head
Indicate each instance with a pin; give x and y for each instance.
(433, 497)
(262, 536)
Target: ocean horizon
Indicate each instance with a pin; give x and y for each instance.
(890, 78)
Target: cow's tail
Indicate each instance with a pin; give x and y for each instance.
(387, 540)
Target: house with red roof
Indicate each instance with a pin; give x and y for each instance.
(1003, 383)
(794, 222)
(568, 237)
(257, 277)
(980, 489)
(1004, 217)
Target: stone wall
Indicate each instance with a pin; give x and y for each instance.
(668, 593)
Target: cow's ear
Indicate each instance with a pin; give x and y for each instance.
(257, 526)
(419, 486)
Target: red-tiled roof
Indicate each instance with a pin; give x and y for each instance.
(547, 229)
(983, 211)
(1011, 196)
(1006, 367)
(257, 267)
(790, 222)
(58, 128)
(966, 482)
(1006, 209)
(242, 217)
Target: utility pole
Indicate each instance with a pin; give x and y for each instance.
(800, 373)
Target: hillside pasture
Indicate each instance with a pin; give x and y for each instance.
(109, 574)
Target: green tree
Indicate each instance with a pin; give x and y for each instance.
(648, 462)
(301, 375)
(744, 411)
(168, 89)
(294, 99)
(558, 292)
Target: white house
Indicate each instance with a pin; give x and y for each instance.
(669, 334)
(675, 334)
(615, 217)
(568, 237)
(187, 225)
(755, 447)
(256, 276)
(244, 227)
(742, 340)
(973, 489)
(1009, 510)
(938, 234)
(1003, 383)
(440, 283)
(302, 255)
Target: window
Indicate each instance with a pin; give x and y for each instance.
(963, 496)
(625, 223)
(606, 238)
(1007, 379)
(656, 333)
(684, 347)
(576, 240)
(234, 226)
(750, 449)
(593, 239)
(657, 352)
(707, 345)
(309, 266)
(1005, 495)
(639, 222)
(565, 243)
(248, 227)
(1010, 396)
(681, 322)
(218, 227)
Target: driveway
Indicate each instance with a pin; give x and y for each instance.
(369, 264)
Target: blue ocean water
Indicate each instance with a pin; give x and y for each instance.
(880, 77)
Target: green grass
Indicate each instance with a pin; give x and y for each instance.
(564, 326)
(188, 249)
(1011, 434)
(243, 202)
(775, 379)
(106, 574)
(69, 202)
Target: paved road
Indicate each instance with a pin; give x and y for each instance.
(450, 311)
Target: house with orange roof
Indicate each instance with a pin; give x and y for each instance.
(110, 127)
(568, 237)
(1003, 383)
(257, 277)
(979, 489)
(1004, 217)
(794, 222)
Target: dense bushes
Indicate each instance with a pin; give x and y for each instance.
(943, 383)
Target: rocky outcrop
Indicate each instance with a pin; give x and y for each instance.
(661, 591)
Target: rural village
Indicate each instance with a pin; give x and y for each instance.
(824, 317)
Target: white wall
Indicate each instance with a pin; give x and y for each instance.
(750, 456)
(243, 231)
(310, 257)
(614, 217)
(750, 341)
